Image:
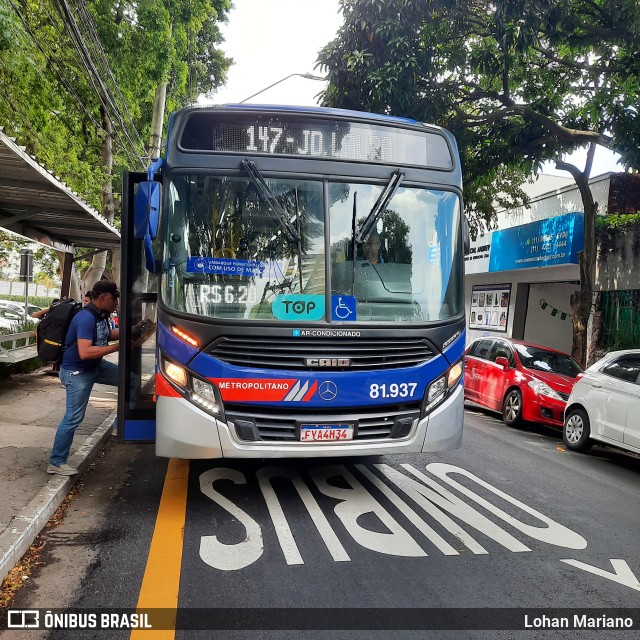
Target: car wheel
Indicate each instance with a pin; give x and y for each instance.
(576, 430)
(512, 408)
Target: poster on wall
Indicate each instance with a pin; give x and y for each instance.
(490, 307)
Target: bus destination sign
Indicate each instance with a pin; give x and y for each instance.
(332, 139)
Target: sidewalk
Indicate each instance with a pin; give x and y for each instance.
(31, 407)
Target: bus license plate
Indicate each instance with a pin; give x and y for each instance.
(325, 432)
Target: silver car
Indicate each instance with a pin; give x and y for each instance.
(604, 405)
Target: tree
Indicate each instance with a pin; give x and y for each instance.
(517, 81)
(78, 82)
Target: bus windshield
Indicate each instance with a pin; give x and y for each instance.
(236, 251)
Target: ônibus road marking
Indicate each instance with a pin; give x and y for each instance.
(353, 500)
(621, 573)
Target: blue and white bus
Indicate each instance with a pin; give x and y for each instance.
(306, 269)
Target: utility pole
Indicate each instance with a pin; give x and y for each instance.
(157, 119)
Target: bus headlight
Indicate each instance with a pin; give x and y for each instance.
(454, 374)
(436, 389)
(175, 373)
(442, 387)
(198, 391)
(206, 396)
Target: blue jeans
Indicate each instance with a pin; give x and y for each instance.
(78, 385)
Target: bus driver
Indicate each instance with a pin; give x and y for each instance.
(371, 248)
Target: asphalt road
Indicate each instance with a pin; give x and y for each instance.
(511, 520)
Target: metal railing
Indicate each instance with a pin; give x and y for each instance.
(16, 347)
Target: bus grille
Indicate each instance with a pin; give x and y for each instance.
(272, 424)
(291, 353)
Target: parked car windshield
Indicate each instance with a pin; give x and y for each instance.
(549, 361)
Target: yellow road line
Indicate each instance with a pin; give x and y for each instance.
(161, 581)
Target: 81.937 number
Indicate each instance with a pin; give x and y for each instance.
(402, 390)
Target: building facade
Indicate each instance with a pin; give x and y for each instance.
(520, 277)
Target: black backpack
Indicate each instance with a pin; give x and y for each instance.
(52, 330)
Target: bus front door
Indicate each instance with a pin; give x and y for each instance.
(137, 316)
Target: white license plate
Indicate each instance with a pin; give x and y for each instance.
(325, 432)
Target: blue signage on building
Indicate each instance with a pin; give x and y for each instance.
(543, 243)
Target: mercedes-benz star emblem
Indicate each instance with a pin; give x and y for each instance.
(327, 390)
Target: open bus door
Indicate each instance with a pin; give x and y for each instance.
(136, 409)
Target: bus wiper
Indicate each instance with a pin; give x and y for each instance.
(354, 246)
(263, 189)
(379, 207)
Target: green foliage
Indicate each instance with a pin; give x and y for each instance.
(26, 366)
(619, 221)
(48, 101)
(395, 232)
(620, 319)
(9, 30)
(40, 277)
(517, 82)
(11, 244)
(39, 301)
(611, 232)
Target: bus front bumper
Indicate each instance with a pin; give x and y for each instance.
(185, 431)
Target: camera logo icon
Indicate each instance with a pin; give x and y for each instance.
(23, 619)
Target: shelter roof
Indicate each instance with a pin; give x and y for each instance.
(36, 204)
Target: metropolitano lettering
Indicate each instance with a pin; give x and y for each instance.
(419, 497)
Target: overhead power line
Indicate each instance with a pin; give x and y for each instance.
(112, 112)
(54, 66)
(88, 22)
(87, 48)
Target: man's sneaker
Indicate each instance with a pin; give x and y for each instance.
(62, 470)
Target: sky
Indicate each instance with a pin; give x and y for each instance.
(272, 39)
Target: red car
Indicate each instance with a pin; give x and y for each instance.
(525, 382)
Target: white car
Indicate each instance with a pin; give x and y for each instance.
(19, 305)
(604, 405)
(12, 305)
(10, 319)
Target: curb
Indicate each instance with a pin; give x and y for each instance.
(25, 527)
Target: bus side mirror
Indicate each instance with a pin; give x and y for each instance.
(146, 209)
(466, 235)
(146, 214)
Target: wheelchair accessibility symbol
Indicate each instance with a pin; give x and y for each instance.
(343, 308)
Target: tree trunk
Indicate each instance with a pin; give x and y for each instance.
(155, 144)
(74, 284)
(157, 121)
(99, 260)
(115, 265)
(595, 344)
(582, 301)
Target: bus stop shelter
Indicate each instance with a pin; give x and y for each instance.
(39, 206)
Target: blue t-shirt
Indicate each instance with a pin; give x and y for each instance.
(85, 326)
